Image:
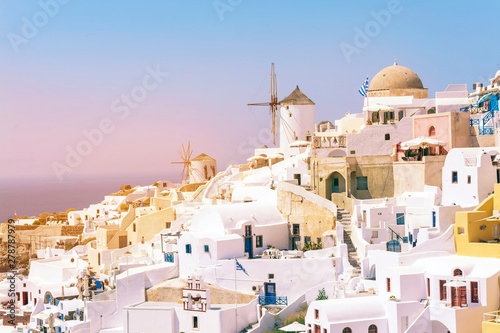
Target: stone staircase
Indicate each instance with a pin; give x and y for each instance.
(344, 218)
(249, 328)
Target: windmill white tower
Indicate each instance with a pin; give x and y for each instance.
(203, 168)
(297, 116)
(297, 119)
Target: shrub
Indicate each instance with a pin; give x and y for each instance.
(321, 295)
(312, 246)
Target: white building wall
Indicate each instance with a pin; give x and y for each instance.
(150, 319)
(478, 166)
(298, 119)
(197, 171)
(372, 138)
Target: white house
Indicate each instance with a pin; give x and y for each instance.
(196, 313)
(469, 175)
(227, 231)
(347, 315)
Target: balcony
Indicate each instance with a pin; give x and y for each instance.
(491, 322)
(273, 300)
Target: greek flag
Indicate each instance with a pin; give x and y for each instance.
(239, 267)
(364, 88)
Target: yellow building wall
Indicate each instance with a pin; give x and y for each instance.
(149, 225)
(473, 226)
(489, 327)
(378, 170)
(314, 218)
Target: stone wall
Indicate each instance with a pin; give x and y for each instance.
(378, 171)
(312, 213)
(72, 230)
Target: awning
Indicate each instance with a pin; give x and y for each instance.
(455, 284)
(421, 141)
(300, 143)
(294, 327)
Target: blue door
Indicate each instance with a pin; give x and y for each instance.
(400, 218)
(433, 219)
(248, 246)
(270, 292)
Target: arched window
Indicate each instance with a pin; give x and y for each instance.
(372, 329)
(432, 131)
(347, 330)
(458, 272)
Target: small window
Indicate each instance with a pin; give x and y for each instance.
(258, 241)
(458, 272)
(248, 231)
(133, 227)
(469, 179)
(347, 330)
(474, 294)
(442, 290)
(387, 136)
(372, 329)
(461, 231)
(388, 285)
(188, 248)
(432, 131)
(167, 225)
(316, 314)
(353, 152)
(374, 234)
(400, 218)
(207, 249)
(195, 322)
(307, 240)
(454, 177)
(362, 183)
(296, 229)
(270, 276)
(428, 287)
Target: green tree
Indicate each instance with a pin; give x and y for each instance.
(321, 295)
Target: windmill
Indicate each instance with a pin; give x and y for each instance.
(273, 105)
(186, 160)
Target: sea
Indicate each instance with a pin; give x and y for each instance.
(38, 195)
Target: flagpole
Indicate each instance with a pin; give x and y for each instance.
(235, 297)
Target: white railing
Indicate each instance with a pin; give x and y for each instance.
(492, 317)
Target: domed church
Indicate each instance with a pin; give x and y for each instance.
(397, 80)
